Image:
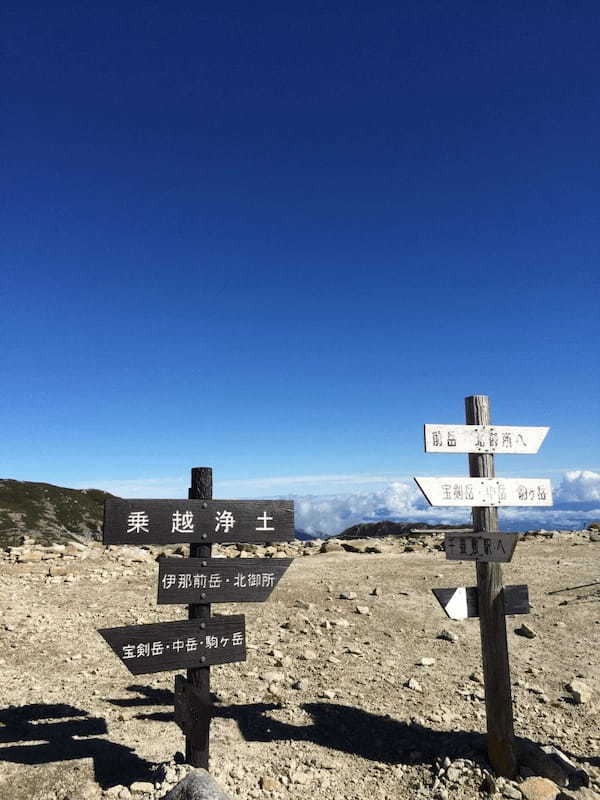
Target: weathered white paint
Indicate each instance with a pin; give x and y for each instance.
(479, 492)
(483, 438)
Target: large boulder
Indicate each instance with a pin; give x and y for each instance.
(197, 785)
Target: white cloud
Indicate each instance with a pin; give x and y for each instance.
(580, 485)
(398, 500)
(401, 501)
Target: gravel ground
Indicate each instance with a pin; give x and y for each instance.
(323, 706)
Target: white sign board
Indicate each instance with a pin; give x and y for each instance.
(486, 491)
(483, 439)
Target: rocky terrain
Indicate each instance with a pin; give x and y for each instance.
(356, 685)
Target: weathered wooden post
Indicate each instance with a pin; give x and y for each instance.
(201, 640)
(197, 741)
(492, 620)
(488, 547)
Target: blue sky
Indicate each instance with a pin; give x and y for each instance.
(278, 239)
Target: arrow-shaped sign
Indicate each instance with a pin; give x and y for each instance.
(179, 645)
(218, 580)
(483, 438)
(462, 602)
(457, 491)
(480, 546)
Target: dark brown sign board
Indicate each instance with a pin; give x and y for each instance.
(462, 602)
(480, 546)
(206, 521)
(179, 645)
(191, 708)
(218, 580)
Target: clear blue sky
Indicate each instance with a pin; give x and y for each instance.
(277, 238)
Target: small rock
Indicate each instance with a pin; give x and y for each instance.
(453, 774)
(141, 787)
(511, 791)
(57, 569)
(526, 631)
(30, 557)
(268, 783)
(579, 691)
(411, 683)
(114, 791)
(272, 677)
(539, 789)
(197, 785)
(329, 694)
(300, 686)
(348, 595)
(340, 623)
(363, 610)
(331, 546)
(303, 604)
(300, 777)
(308, 655)
(448, 636)
(426, 662)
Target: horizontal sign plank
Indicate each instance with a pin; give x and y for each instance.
(175, 521)
(480, 546)
(483, 438)
(479, 492)
(182, 644)
(218, 580)
(191, 709)
(462, 602)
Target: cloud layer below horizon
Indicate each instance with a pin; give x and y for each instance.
(576, 504)
(576, 501)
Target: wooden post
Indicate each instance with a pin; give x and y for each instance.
(492, 620)
(197, 743)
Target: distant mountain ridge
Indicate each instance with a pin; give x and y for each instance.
(48, 513)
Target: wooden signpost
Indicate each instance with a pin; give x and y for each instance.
(202, 640)
(178, 645)
(489, 600)
(199, 521)
(218, 580)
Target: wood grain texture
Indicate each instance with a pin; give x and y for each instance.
(492, 621)
(197, 742)
(155, 521)
(174, 645)
(218, 580)
(480, 546)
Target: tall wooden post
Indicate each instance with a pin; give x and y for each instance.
(494, 646)
(197, 742)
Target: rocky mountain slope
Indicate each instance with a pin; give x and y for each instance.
(48, 513)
